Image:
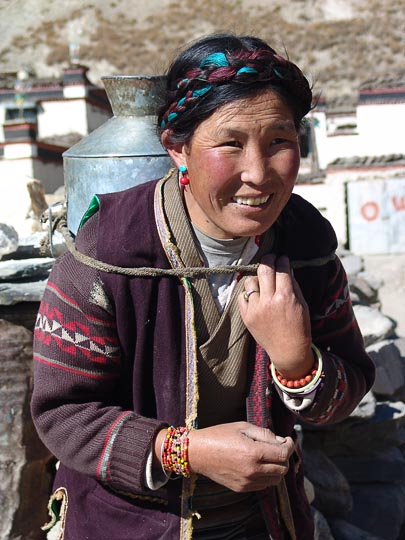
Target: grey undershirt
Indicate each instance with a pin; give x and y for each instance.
(218, 252)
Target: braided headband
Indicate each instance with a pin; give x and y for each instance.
(216, 69)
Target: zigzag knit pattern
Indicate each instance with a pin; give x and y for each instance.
(60, 328)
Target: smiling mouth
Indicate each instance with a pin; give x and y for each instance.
(251, 201)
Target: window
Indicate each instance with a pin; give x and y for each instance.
(29, 114)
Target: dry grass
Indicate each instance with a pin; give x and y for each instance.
(339, 53)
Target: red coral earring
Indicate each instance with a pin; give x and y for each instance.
(184, 180)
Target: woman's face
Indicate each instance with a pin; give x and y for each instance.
(242, 163)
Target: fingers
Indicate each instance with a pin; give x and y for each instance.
(251, 289)
(240, 456)
(273, 454)
(274, 274)
(252, 284)
(261, 434)
(275, 448)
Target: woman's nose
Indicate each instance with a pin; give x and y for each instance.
(254, 170)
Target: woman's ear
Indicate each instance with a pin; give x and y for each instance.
(175, 150)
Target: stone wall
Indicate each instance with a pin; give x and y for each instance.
(25, 464)
(24, 461)
(357, 467)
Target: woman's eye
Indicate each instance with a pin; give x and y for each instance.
(233, 144)
(278, 141)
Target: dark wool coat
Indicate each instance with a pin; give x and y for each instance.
(113, 366)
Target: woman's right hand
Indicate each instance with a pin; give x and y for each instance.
(239, 455)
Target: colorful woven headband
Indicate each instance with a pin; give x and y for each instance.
(217, 69)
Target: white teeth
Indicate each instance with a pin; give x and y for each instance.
(257, 201)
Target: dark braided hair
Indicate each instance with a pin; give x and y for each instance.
(223, 68)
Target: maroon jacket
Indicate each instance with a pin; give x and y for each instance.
(110, 367)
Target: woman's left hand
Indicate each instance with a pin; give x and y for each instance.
(277, 316)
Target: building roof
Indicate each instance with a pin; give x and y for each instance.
(65, 141)
(311, 178)
(390, 80)
(368, 161)
(388, 89)
(345, 104)
(8, 80)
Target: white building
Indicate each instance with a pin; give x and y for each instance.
(358, 175)
(41, 118)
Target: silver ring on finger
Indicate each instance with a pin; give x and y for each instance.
(246, 294)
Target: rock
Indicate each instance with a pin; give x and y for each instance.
(374, 282)
(29, 247)
(13, 293)
(25, 269)
(373, 324)
(362, 288)
(32, 246)
(22, 314)
(400, 345)
(354, 437)
(353, 264)
(24, 481)
(355, 297)
(332, 491)
(342, 251)
(390, 370)
(342, 530)
(366, 408)
(391, 268)
(384, 467)
(56, 247)
(8, 239)
(379, 509)
(322, 530)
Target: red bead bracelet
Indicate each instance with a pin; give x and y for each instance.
(298, 383)
(307, 381)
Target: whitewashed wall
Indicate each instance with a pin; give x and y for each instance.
(330, 144)
(376, 210)
(62, 117)
(329, 199)
(381, 129)
(12, 169)
(320, 131)
(19, 150)
(342, 146)
(69, 116)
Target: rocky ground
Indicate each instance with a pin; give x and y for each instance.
(390, 269)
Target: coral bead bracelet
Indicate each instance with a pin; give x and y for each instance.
(303, 384)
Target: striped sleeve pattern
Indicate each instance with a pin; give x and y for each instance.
(79, 387)
(62, 330)
(348, 371)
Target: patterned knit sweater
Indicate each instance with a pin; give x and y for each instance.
(113, 366)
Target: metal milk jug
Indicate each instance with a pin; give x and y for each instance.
(122, 152)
